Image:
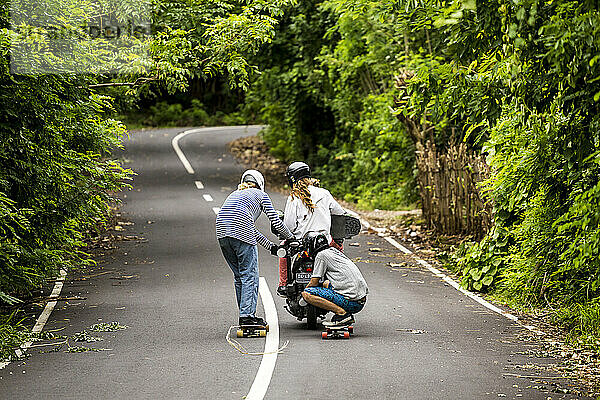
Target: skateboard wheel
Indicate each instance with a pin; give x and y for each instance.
(346, 335)
(323, 335)
(351, 329)
(262, 333)
(240, 333)
(267, 328)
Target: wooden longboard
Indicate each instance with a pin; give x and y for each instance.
(337, 332)
(252, 331)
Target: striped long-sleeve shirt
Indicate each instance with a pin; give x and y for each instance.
(239, 212)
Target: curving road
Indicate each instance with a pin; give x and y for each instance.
(417, 338)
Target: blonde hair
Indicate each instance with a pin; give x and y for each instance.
(300, 190)
(247, 185)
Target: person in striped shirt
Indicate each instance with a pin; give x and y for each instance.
(238, 239)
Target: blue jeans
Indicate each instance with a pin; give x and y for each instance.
(350, 306)
(242, 258)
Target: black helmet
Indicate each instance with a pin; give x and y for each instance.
(296, 171)
(314, 242)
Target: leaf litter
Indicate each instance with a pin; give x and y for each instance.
(80, 337)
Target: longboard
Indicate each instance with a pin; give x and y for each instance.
(252, 331)
(344, 226)
(337, 332)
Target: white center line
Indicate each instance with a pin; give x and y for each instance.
(199, 185)
(207, 197)
(267, 364)
(175, 141)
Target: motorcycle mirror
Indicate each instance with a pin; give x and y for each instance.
(281, 252)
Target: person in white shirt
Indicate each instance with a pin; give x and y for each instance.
(308, 209)
(344, 289)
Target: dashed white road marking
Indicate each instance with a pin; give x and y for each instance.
(451, 281)
(43, 318)
(216, 210)
(199, 185)
(207, 197)
(267, 364)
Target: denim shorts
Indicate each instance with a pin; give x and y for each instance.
(350, 306)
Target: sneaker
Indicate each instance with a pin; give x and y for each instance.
(259, 321)
(246, 321)
(340, 320)
(281, 292)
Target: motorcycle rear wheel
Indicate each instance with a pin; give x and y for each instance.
(311, 317)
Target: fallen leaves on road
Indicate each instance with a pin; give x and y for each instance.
(413, 331)
(107, 327)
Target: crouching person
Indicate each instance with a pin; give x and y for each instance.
(344, 290)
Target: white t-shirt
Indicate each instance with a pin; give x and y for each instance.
(299, 220)
(343, 274)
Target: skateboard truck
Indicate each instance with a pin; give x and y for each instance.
(252, 331)
(337, 332)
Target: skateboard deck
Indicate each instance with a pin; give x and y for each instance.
(252, 331)
(337, 332)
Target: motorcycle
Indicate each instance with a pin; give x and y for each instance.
(300, 268)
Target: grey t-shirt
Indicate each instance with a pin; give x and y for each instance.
(344, 275)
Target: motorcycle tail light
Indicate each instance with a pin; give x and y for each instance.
(309, 269)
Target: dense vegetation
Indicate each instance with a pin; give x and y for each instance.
(517, 80)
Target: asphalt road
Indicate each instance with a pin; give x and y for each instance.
(417, 337)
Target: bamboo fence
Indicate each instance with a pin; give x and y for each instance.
(451, 201)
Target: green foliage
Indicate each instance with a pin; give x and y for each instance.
(582, 321)
(542, 140)
(12, 334)
(480, 263)
(164, 114)
(326, 96)
(55, 180)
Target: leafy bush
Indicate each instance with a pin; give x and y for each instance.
(56, 182)
(324, 101)
(165, 114)
(480, 263)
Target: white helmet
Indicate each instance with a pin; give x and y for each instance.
(253, 175)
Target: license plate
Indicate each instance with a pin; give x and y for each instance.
(303, 277)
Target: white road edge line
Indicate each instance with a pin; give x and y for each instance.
(449, 280)
(267, 364)
(207, 197)
(199, 185)
(43, 318)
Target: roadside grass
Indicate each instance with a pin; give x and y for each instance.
(12, 334)
(579, 323)
(582, 321)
